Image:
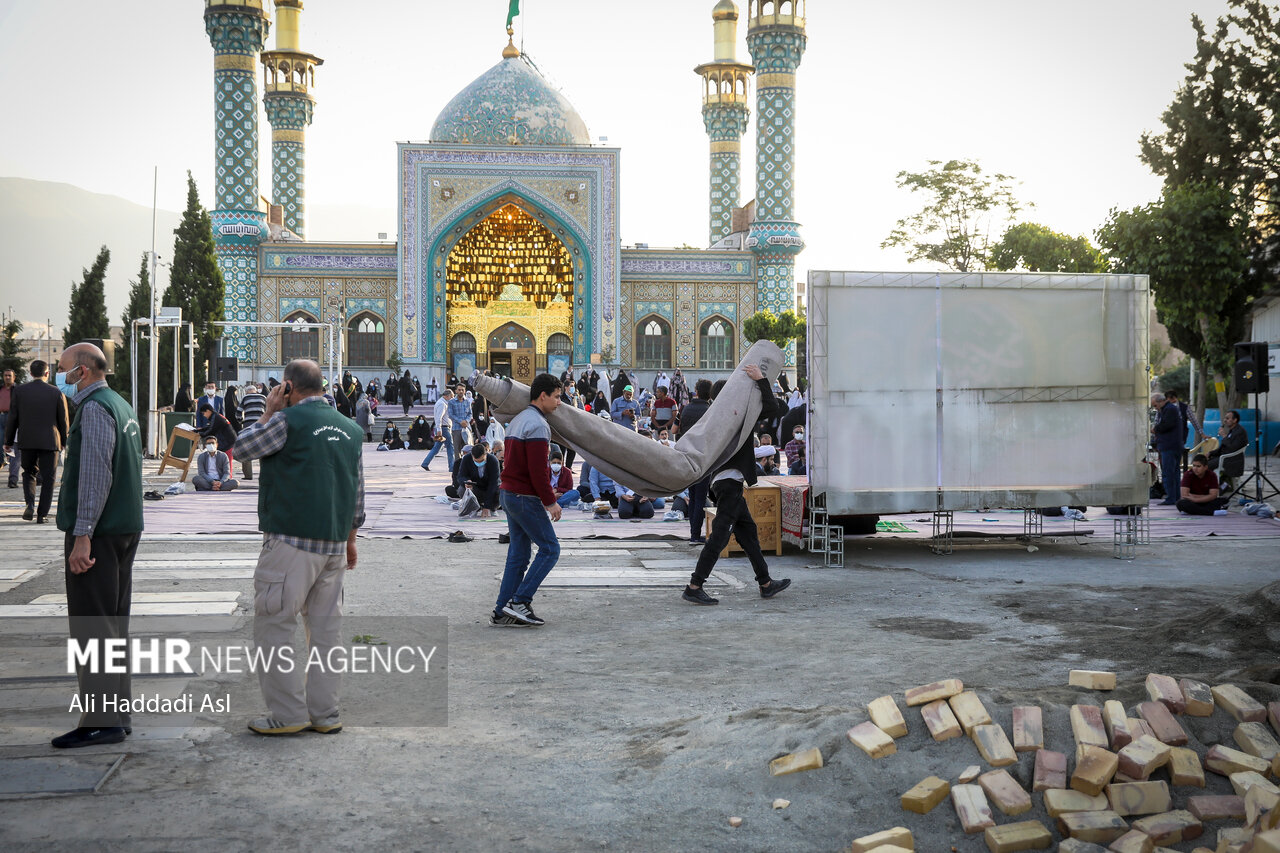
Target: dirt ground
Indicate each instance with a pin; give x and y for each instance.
(633, 721)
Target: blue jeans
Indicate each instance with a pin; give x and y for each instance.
(447, 445)
(1170, 475)
(527, 524)
(568, 497)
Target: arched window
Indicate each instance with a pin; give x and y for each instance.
(299, 343)
(366, 341)
(559, 344)
(715, 345)
(463, 342)
(653, 344)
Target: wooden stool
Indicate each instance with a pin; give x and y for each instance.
(177, 461)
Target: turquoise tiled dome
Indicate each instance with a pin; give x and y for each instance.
(510, 104)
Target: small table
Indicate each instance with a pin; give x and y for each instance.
(764, 500)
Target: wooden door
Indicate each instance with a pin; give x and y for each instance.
(523, 365)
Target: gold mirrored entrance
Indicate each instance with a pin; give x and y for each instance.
(508, 271)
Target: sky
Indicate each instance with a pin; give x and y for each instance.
(1056, 94)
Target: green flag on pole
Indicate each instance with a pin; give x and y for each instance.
(513, 11)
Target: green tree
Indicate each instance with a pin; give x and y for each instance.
(195, 286)
(782, 328)
(962, 203)
(11, 351)
(1193, 245)
(1036, 248)
(396, 361)
(87, 311)
(139, 306)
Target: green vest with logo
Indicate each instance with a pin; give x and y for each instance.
(308, 488)
(122, 513)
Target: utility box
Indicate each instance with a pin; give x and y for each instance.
(971, 391)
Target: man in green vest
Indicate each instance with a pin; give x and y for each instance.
(100, 514)
(310, 503)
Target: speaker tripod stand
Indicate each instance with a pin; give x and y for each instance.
(1256, 476)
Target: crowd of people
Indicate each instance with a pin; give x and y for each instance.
(1195, 483)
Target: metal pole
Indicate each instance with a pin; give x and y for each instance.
(133, 364)
(153, 362)
(191, 353)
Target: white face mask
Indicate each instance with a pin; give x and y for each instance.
(208, 392)
(555, 467)
(211, 448)
(800, 436)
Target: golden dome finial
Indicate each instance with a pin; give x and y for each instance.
(510, 51)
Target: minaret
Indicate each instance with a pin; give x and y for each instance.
(237, 29)
(290, 75)
(725, 113)
(776, 39)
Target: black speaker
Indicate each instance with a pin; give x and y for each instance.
(1251, 368)
(108, 348)
(224, 369)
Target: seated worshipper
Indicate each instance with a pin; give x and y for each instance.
(767, 460)
(420, 434)
(214, 469)
(480, 475)
(664, 437)
(1200, 490)
(562, 482)
(632, 505)
(1231, 437)
(603, 488)
(391, 439)
(217, 426)
(795, 451)
(456, 488)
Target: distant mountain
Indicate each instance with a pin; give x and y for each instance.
(49, 232)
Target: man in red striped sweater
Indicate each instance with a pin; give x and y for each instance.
(528, 500)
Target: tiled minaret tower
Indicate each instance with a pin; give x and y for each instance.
(776, 39)
(237, 29)
(290, 77)
(725, 113)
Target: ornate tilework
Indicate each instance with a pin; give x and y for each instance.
(510, 104)
(725, 123)
(291, 112)
(377, 306)
(662, 309)
(292, 259)
(728, 309)
(301, 303)
(649, 265)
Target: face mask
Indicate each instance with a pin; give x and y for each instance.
(210, 448)
(67, 388)
(208, 392)
(555, 468)
(800, 436)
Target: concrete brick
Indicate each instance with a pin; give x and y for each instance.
(1273, 715)
(1133, 841)
(899, 835)
(967, 775)
(810, 759)
(1257, 802)
(1087, 727)
(1094, 770)
(1165, 690)
(1139, 727)
(869, 738)
(1256, 739)
(1185, 767)
(1223, 807)
(1198, 696)
(1275, 767)
(1266, 842)
(1243, 781)
(1028, 728)
(1239, 704)
(941, 723)
(1116, 724)
(1003, 790)
(885, 714)
(1139, 759)
(1050, 770)
(927, 693)
(993, 745)
(972, 809)
(1092, 679)
(1160, 718)
(1135, 798)
(969, 710)
(1233, 839)
(1171, 827)
(1012, 837)
(926, 794)
(1058, 802)
(1075, 845)
(1224, 761)
(1099, 827)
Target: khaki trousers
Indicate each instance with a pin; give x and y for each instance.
(286, 583)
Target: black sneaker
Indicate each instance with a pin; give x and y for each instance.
(89, 736)
(504, 538)
(502, 620)
(523, 612)
(775, 586)
(28, 514)
(698, 596)
(697, 540)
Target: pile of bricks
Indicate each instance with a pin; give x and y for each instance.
(1117, 791)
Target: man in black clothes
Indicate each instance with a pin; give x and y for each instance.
(733, 516)
(219, 427)
(38, 424)
(698, 491)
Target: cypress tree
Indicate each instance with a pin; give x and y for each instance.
(139, 306)
(195, 286)
(87, 312)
